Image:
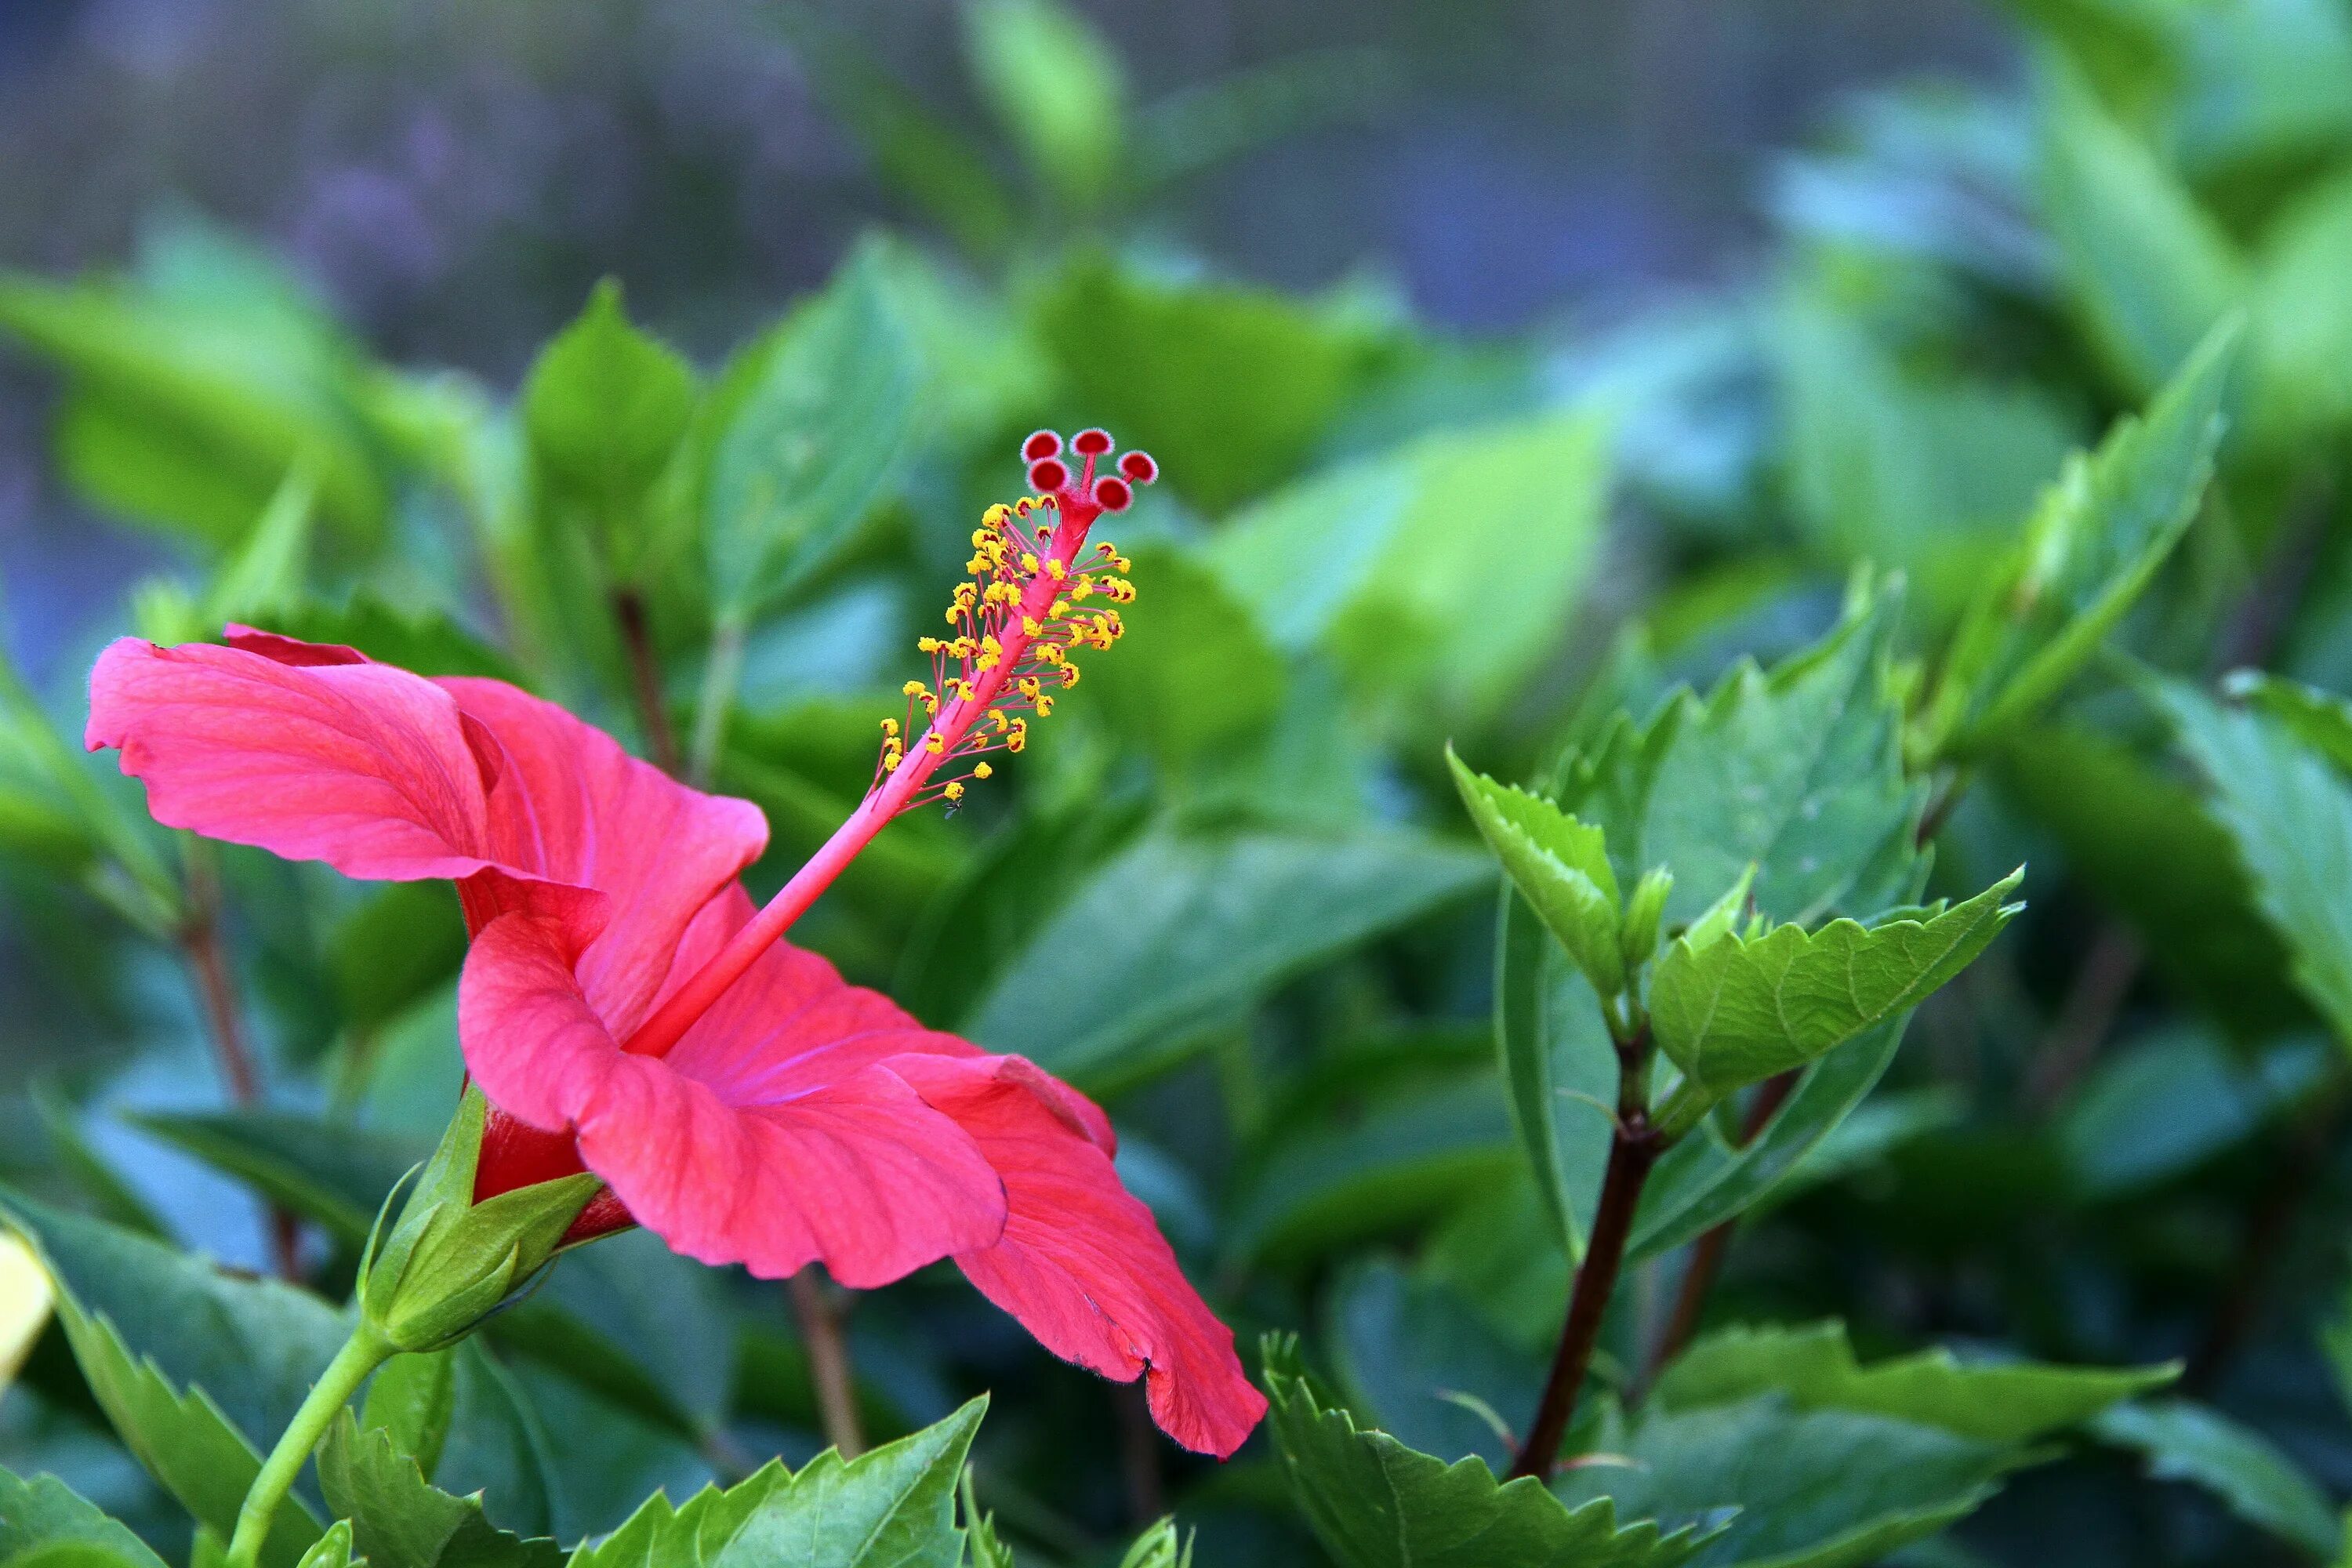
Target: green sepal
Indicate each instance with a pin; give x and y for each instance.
(1637, 932)
(450, 1262)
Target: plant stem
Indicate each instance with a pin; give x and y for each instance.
(361, 1353)
(207, 959)
(722, 672)
(1706, 1253)
(828, 1352)
(645, 677)
(1632, 1151)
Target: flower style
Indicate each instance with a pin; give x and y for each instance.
(626, 1010)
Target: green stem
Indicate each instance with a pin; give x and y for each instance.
(361, 1353)
(722, 674)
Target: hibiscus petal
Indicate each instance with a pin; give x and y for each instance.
(859, 1173)
(572, 806)
(1081, 1263)
(363, 766)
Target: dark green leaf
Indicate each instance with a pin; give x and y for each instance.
(1194, 679)
(2185, 1442)
(401, 1521)
(414, 1397)
(44, 1525)
(1560, 1067)
(330, 1172)
(1423, 1369)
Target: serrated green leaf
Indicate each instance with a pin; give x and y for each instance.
(329, 1172)
(1703, 1180)
(1419, 1365)
(1559, 865)
(413, 1398)
(332, 1549)
(892, 1507)
(606, 405)
(2090, 549)
(1739, 1010)
(401, 1521)
(2186, 1442)
(196, 1369)
(2290, 812)
(1797, 772)
(2148, 269)
(44, 1525)
(1180, 931)
(1057, 85)
(1160, 1546)
(1375, 1503)
(1814, 1365)
(800, 436)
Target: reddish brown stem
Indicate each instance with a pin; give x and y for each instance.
(819, 1315)
(645, 677)
(1138, 1454)
(2107, 974)
(1707, 1252)
(207, 959)
(1633, 1152)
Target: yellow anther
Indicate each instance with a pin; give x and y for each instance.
(890, 727)
(989, 644)
(986, 662)
(1031, 625)
(1003, 724)
(1106, 549)
(966, 594)
(1069, 675)
(1024, 507)
(954, 791)
(1044, 707)
(1029, 686)
(930, 704)
(1055, 570)
(1028, 562)
(915, 688)
(1121, 564)
(995, 516)
(961, 648)
(1061, 607)
(981, 770)
(962, 689)
(890, 761)
(928, 644)
(1018, 736)
(1083, 591)
(1051, 652)
(935, 743)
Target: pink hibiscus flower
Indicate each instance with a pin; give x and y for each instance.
(626, 1010)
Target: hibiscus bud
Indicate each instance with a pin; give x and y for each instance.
(450, 1261)
(1644, 912)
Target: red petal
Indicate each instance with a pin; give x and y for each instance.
(362, 765)
(1082, 1264)
(858, 1171)
(572, 806)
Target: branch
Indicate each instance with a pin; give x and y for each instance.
(819, 1316)
(645, 677)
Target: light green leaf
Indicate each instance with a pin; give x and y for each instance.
(2148, 269)
(2302, 313)
(331, 1173)
(1814, 1365)
(196, 1369)
(2092, 548)
(1055, 83)
(605, 407)
(1194, 679)
(801, 435)
(893, 1507)
(332, 1549)
(1389, 564)
(1162, 1546)
(1797, 772)
(1180, 930)
(2320, 720)
(44, 1525)
(399, 1519)
(2291, 813)
(1740, 1010)
(1375, 1503)
(2186, 1442)
(1560, 866)
(1230, 387)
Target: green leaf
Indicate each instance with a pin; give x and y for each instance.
(44, 1525)
(1703, 1180)
(1318, 1184)
(605, 407)
(1558, 1065)
(1559, 865)
(333, 1550)
(637, 1323)
(196, 1369)
(1815, 1367)
(1179, 931)
(424, 640)
(414, 1397)
(1159, 1547)
(329, 1172)
(2320, 720)
(2165, 1105)
(401, 1521)
(1740, 1010)
(893, 1507)
(1389, 564)
(1375, 1503)
(1419, 1365)
(1055, 83)
(2148, 269)
(2186, 1442)
(1194, 679)
(100, 1187)
(2291, 813)
(2302, 320)
(1814, 1489)
(801, 435)
(1797, 772)
(2091, 550)
(1229, 387)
